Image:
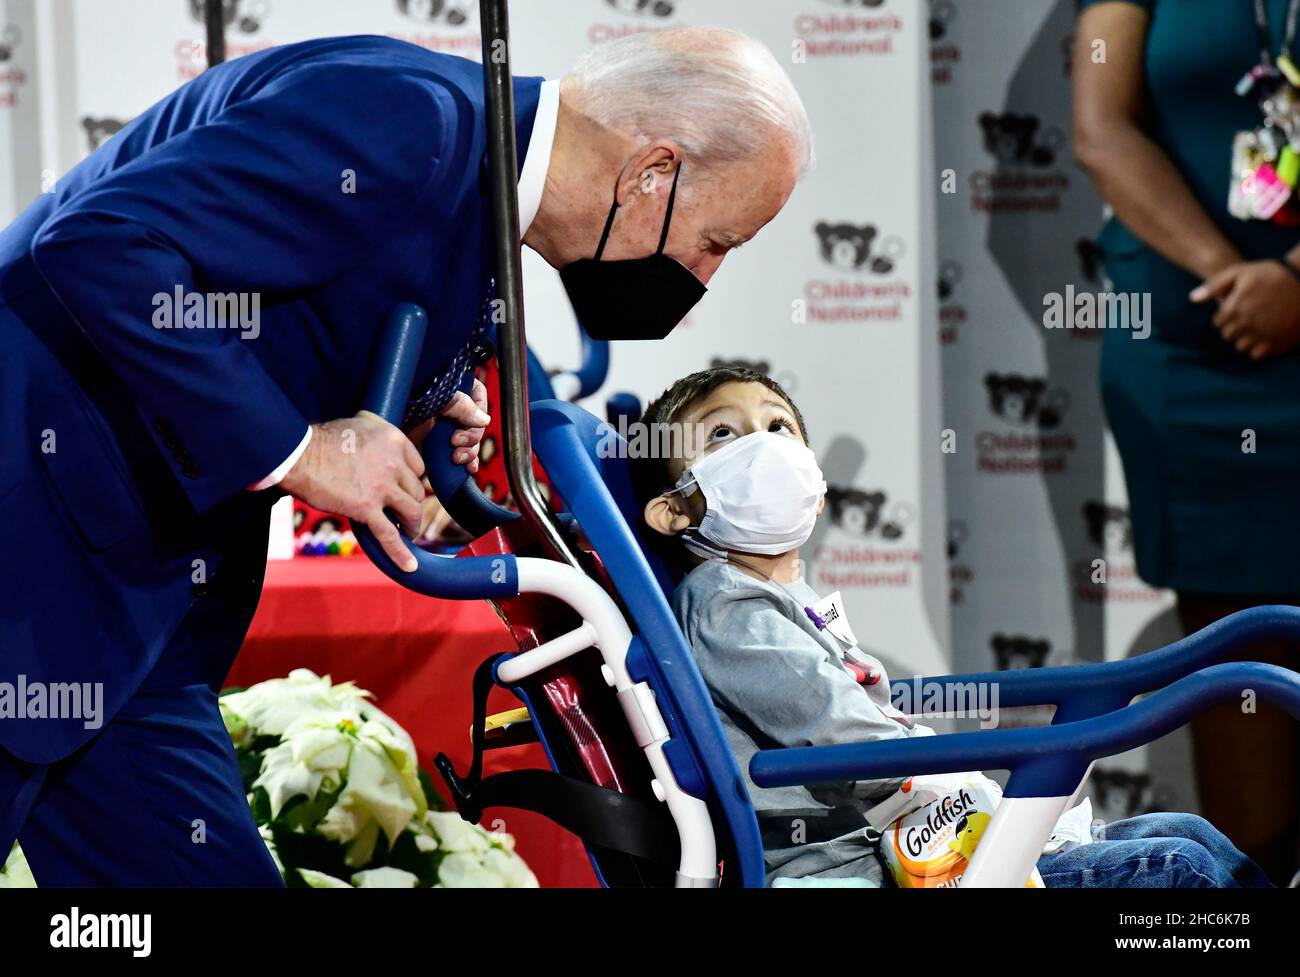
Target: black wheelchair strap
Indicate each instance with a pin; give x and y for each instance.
(601, 817)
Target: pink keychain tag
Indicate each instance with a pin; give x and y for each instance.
(1269, 192)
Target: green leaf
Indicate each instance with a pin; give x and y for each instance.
(261, 806)
(299, 850)
(422, 864)
(304, 814)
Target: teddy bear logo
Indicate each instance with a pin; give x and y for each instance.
(949, 276)
(1025, 400)
(861, 513)
(1109, 526)
(1016, 140)
(247, 16)
(942, 13)
(100, 131)
(646, 8)
(1016, 651)
(8, 41)
(849, 247)
(450, 12)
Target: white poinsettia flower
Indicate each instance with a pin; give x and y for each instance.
(465, 870)
(265, 831)
(323, 746)
(375, 792)
(511, 869)
(16, 873)
(401, 760)
(385, 877)
(319, 880)
(310, 757)
(455, 834)
(425, 842)
(270, 707)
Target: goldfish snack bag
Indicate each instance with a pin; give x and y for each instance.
(931, 846)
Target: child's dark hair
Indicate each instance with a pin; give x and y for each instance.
(651, 476)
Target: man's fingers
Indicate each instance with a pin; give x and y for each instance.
(391, 541)
(468, 437)
(1216, 286)
(407, 508)
(1228, 320)
(465, 412)
(412, 455)
(410, 483)
(478, 393)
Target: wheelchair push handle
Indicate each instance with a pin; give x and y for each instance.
(396, 358)
(455, 488)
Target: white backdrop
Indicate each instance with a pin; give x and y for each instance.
(1035, 491)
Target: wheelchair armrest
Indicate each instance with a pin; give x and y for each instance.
(1045, 761)
(1081, 691)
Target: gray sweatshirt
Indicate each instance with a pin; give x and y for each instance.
(778, 681)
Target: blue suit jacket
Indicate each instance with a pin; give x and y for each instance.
(332, 178)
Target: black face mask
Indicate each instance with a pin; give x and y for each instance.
(640, 298)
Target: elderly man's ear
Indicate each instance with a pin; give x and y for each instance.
(642, 174)
(666, 514)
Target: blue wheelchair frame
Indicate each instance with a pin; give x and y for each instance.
(1095, 715)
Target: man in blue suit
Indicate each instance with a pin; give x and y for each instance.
(186, 324)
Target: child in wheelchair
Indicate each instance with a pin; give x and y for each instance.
(733, 494)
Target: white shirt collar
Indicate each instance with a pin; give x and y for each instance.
(537, 159)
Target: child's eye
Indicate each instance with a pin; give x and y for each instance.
(719, 432)
(781, 424)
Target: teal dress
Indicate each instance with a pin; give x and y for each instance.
(1208, 515)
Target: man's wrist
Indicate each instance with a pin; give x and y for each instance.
(1290, 264)
(281, 472)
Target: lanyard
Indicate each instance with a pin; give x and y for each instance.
(818, 621)
(1261, 24)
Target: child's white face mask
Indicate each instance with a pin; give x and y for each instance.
(761, 494)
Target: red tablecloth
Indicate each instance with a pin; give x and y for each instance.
(339, 616)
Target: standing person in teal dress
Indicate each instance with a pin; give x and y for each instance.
(1170, 122)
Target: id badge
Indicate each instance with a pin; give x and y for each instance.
(1242, 184)
(831, 610)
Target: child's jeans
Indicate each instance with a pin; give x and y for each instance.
(1154, 851)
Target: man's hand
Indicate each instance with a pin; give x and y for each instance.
(470, 412)
(1259, 307)
(357, 467)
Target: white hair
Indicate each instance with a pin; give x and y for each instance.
(715, 92)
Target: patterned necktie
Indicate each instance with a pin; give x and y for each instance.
(432, 401)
